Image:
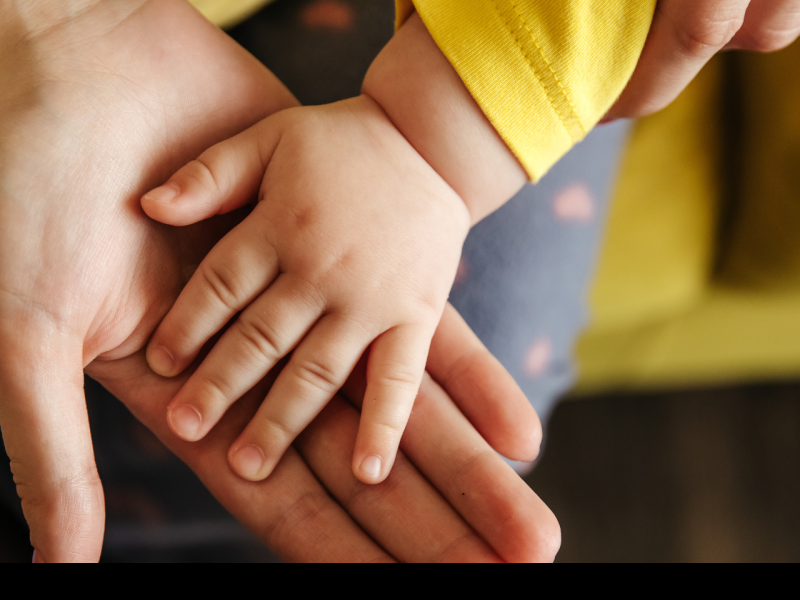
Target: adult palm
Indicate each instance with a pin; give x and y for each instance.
(99, 102)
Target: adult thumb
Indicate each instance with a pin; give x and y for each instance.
(46, 432)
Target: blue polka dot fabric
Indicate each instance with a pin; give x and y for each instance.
(526, 270)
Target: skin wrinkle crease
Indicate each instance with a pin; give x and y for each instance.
(559, 98)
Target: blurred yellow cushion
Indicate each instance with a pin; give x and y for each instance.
(660, 244)
(675, 303)
(227, 13)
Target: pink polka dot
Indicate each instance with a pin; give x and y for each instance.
(327, 14)
(574, 203)
(462, 273)
(538, 357)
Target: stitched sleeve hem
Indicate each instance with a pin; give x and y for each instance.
(497, 51)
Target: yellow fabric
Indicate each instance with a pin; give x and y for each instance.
(227, 13)
(544, 73)
(660, 245)
(662, 314)
(729, 336)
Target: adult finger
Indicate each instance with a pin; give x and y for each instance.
(483, 389)
(405, 513)
(461, 465)
(46, 433)
(294, 514)
(290, 511)
(487, 493)
(684, 36)
(769, 25)
(225, 177)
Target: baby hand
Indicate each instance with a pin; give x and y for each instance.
(353, 244)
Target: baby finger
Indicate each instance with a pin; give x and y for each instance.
(264, 333)
(316, 371)
(394, 374)
(233, 274)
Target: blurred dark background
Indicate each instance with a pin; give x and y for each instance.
(702, 476)
(696, 476)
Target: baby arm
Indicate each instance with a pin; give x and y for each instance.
(363, 209)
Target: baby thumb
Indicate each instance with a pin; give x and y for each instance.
(225, 177)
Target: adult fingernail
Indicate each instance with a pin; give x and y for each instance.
(248, 461)
(371, 467)
(185, 422)
(164, 194)
(37, 558)
(161, 361)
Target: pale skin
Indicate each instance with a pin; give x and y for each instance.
(105, 98)
(353, 245)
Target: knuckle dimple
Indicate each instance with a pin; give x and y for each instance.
(318, 375)
(703, 37)
(223, 285)
(401, 379)
(277, 431)
(215, 388)
(264, 341)
(386, 434)
(200, 170)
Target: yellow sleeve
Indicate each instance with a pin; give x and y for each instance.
(543, 71)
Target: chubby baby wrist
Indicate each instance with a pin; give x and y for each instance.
(424, 97)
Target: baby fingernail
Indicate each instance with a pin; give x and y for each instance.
(371, 467)
(185, 422)
(161, 360)
(248, 461)
(165, 194)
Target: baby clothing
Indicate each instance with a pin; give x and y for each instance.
(544, 72)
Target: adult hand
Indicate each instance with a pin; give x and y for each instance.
(449, 497)
(99, 102)
(686, 34)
